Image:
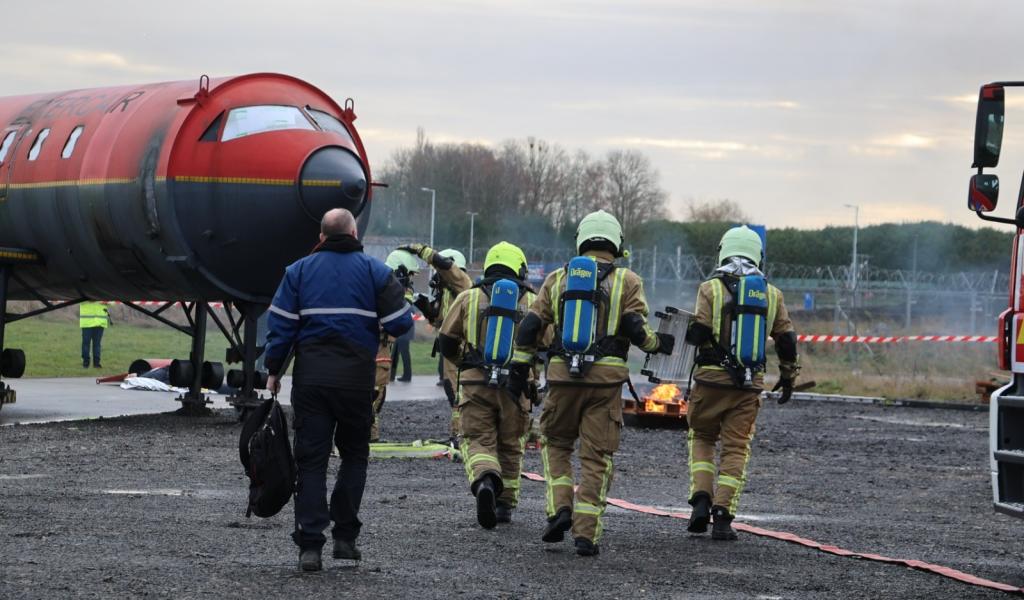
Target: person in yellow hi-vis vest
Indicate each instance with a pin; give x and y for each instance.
(93, 318)
(737, 310)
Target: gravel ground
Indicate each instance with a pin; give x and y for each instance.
(154, 506)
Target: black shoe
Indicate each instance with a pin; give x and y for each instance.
(722, 527)
(700, 516)
(346, 549)
(85, 365)
(97, 366)
(439, 383)
(405, 379)
(309, 560)
(585, 547)
(503, 512)
(485, 507)
(557, 526)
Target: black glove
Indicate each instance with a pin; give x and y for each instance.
(422, 303)
(666, 343)
(786, 385)
(518, 380)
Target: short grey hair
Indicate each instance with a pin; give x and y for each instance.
(338, 221)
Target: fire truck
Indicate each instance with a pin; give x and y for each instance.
(1006, 417)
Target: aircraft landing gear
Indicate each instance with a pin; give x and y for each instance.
(242, 334)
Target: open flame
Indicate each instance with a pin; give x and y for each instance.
(666, 393)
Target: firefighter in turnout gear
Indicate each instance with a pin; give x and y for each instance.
(736, 311)
(404, 266)
(478, 336)
(449, 280)
(594, 327)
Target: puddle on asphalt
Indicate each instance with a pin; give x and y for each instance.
(17, 477)
(895, 421)
(170, 492)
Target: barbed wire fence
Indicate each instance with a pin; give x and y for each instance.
(865, 300)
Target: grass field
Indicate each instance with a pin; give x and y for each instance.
(913, 370)
(53, 348)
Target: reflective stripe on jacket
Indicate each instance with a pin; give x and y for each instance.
(332, 306)
(93, 314)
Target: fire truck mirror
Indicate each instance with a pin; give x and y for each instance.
(983, 194)
(988, 130)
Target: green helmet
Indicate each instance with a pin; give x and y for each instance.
(460, 260)
(401, 258)
(741, 241)
(508, 255)
(600, 225)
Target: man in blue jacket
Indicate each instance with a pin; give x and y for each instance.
(331, 307)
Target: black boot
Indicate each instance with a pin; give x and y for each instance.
(486, 491)
(585, 547)
(503, 512)
(722, 527)
(309, 560)
(701, 513)
(557, 526)
(346, 549)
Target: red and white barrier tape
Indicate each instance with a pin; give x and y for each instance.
(895, 339)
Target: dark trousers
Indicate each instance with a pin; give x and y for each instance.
(323, 415)
(400, 353)
(91, 336)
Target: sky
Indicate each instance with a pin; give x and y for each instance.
(792, 108)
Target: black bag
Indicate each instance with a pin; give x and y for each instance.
(266, 455)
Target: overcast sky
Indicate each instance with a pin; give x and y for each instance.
(792, 108)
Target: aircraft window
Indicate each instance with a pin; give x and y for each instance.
(5, 146)
(69, 147)
(329, 122)
(250, 120)
(37, 146)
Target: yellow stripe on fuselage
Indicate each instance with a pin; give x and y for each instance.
(180, 179)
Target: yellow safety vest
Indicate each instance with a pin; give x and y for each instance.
(93, 314)
(719, 293)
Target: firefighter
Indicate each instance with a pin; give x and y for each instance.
(449, 280)
(586, 403)
(736, 310)
(404, 266)
(495, 417)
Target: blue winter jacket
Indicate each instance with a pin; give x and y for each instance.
(331, 306)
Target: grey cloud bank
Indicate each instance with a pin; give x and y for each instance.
(792, 108)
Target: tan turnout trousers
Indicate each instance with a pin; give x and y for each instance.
(594, 415)
(729, 415)
(494, 430)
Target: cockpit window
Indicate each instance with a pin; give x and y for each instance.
(250, 120)
(329, 122)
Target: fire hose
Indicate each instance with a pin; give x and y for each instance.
(919, 565)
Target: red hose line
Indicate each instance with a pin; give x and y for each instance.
(827, 548)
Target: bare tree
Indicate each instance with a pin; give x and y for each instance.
(631, 190)
(721, 210)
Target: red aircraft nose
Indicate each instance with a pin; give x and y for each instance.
(332, 178)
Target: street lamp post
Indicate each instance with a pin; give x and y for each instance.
(472, 217)
(856, 227)
(433, 211)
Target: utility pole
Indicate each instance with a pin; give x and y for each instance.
(472, 217)
(853, 263)
(433, 211)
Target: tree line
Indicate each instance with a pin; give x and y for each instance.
(534, 193)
